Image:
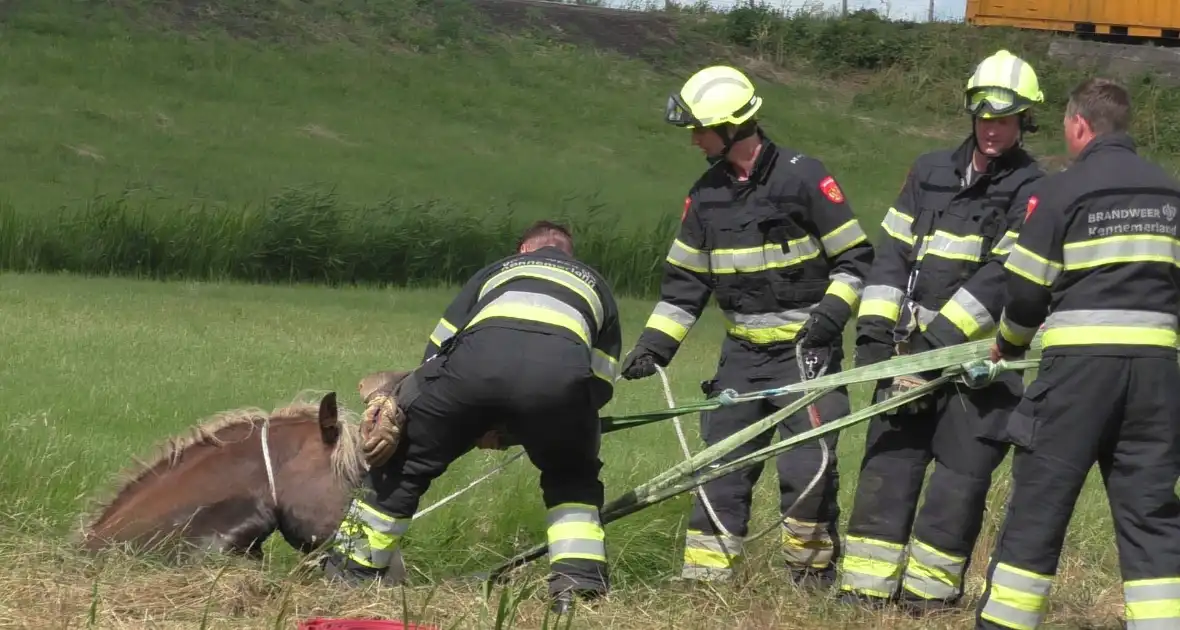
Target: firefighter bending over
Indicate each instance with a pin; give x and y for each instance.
(1100, 256)
(531, 343)
(768, 232)
(938, 280)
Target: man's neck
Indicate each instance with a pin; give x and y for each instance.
(979, 161)
(743, 155)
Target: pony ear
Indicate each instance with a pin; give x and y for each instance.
(329, 431)
(379, 382)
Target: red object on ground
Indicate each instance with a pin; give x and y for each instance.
(322, 623)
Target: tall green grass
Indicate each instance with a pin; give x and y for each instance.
(310, 235)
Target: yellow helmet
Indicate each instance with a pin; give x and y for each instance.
(1003, 85)
(713, 96)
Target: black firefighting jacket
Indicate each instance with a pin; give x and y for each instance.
(770, 249)
(940, 256)
(543, 291)
(1099, 253)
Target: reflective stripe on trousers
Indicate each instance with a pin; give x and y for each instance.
(871, 567)
(575, 531)
(1016, 598)
(710, 556)
(368, 536)
(1152, 604)
(933, 574)
(807, 544)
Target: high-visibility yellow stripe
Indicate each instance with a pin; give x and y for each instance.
(846, 288)
(603, 365)
(880, 308)
(442, 331)
(842, 238)
(686, 257)
(709, 559)
(1123, 335)
(899, 226)
(968, 314)
(1031, 266)
(1004, 245)
(771, 256)
(671, 320)
(1112, 250)
(1016, 598)
(952, 246)
(551, 273)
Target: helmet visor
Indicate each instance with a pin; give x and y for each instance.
(993, 102)
(678, 113)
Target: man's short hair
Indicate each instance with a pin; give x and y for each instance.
(549, 232)
(1104, 104)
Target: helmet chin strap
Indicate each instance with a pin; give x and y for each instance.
(744, 130)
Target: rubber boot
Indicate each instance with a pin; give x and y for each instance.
(921, 608)
(338, 568)
(848, 598)
(813, 579)
(564, 602)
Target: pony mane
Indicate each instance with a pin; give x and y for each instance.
(348, 462)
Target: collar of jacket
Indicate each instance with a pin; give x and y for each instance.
(1006, 163)
(550, 251)
(1114, 140)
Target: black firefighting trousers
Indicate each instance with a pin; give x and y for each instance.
(809, 537)
(537, 387)
(957, 431)
(1123, 413)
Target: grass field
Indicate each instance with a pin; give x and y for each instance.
(98, 370)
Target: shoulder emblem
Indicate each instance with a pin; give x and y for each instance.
(831, 189)
(1032, 206)
(684, 213)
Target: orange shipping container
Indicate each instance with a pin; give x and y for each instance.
(1139, 18)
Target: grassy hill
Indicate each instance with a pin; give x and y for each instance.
(401, 141)
(406, 142)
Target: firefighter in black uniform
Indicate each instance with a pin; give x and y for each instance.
(531, 343)
(938, 280)
(1100, 256)
(767, 231)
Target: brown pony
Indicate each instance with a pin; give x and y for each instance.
(211, 489)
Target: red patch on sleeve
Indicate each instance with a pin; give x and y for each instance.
(687, 203)
(1032, 205)
(831, 189)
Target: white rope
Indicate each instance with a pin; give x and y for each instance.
(449, 498)
(270, 472)
(700, 490)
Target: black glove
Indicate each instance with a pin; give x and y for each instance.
(869, 352)
(640, 363)
(819, 331)
(812, 360)
(1008, 350)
